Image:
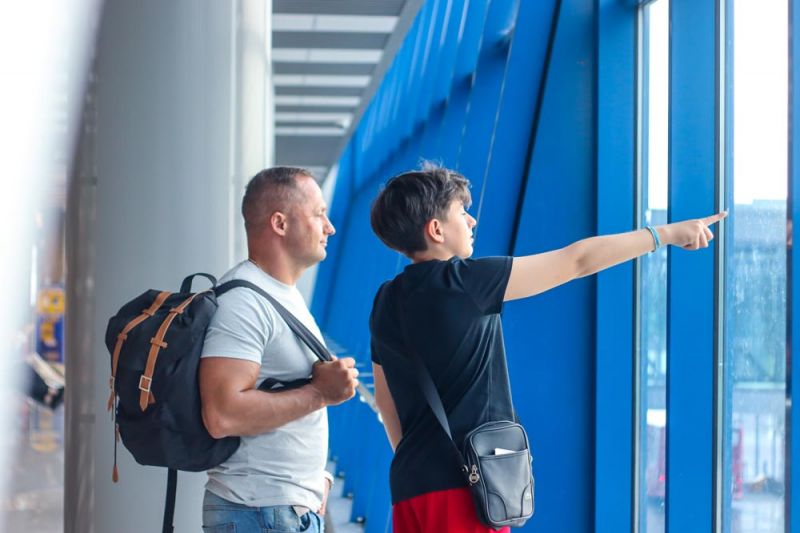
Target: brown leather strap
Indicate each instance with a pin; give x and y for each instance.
(123, 335)
(156, 343)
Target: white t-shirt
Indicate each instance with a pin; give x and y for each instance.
(283, 466)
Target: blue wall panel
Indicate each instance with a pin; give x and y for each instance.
(485, 98)
(452, 125)
(505, 168)
(616, 147)
(690, 336)
(550, 337)
(793, 370)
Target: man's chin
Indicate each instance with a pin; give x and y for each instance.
(311, 260)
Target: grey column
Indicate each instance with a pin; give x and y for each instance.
(169, 157)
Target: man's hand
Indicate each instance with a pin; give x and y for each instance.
(690, 234)
(335, 380)
(325, 493)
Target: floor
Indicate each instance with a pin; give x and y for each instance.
(34, 503)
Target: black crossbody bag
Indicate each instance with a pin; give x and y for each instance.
(495, 457)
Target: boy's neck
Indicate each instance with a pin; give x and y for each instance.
(432, 255)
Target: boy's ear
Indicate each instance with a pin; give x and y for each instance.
(434, 231)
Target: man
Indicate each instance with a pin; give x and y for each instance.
(450, 306)
(276, 479)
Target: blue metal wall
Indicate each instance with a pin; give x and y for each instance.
(534, 101)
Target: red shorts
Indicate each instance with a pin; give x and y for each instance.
(444, 511)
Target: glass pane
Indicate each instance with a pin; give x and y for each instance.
(653, 269)
(755, 295)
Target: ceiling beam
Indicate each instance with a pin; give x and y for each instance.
(338, 7)
(336, 69)
(328, 39)
(313, 109)
(309, 90)
(309, 124)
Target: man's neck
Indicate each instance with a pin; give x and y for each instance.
(277, 269)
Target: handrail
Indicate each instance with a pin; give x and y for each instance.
(364, 393)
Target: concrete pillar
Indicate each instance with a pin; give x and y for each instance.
(175, 82)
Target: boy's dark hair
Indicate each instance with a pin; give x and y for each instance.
(410, 200)
(272, 189)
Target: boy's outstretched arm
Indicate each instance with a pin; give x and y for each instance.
(538, 273)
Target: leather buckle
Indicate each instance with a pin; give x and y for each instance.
(142, 386)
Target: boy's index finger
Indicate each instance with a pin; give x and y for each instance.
(714, 218)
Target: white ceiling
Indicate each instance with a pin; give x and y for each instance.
(326, 56)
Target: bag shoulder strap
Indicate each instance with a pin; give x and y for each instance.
(292, 321)
(424, 378)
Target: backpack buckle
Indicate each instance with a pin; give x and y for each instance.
(145, 387)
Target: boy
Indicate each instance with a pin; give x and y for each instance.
(450, 306)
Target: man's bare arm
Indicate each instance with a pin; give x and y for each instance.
(534, 274)
(231, 405)
(383, 397)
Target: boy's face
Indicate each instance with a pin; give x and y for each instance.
(457, 230)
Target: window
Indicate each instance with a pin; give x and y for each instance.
(652, 269)
(754, 385)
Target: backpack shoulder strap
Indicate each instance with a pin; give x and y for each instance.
(294, 323)
(169, 503)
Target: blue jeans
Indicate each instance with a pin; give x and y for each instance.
(222, 516)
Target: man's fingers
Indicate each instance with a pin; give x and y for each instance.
(714, 218)
(702, 241)
(348, 362)
(709, 235)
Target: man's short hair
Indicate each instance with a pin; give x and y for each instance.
(411, 200)
(272, 189)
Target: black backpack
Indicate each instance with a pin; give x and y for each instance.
(155, 341)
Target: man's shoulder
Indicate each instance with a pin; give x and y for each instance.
(243, 302)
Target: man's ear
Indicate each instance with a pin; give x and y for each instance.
(434, 231)
(278, 221)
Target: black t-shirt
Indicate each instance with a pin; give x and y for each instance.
(452, 315)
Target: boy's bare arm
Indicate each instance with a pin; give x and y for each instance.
(383, 397)
(534, 274)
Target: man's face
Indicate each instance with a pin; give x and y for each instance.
(309, 228)
(457, 230)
